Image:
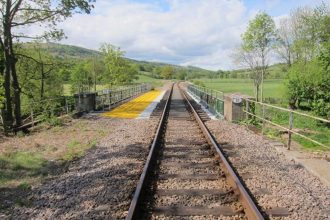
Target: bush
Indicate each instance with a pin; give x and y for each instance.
(309, 83)
(198, 83)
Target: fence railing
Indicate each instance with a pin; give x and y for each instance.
(37, 111)
(305, 126)
(211, 99)
(107, 98)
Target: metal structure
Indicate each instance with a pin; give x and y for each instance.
(35, 112)
(211, 99)
(179, 111)
(109, 97)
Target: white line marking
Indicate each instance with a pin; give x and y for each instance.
(147, 112)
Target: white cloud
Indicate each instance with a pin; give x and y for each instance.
(194, 32)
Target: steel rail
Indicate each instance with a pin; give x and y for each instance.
(250, 208)
(133, 210)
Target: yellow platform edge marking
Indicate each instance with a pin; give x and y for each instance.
(133, 108)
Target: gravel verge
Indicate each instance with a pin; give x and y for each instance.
(274, 180)
(99, 185)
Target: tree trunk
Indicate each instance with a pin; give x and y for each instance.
(15, 83)
(10, 73)
(8, 111)
(42, 89)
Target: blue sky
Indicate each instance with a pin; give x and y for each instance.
(202, 33)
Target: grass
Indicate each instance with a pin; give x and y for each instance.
(147, 79)
(28, 159)
(309, 127)
(76, 149)
(20, 166)
(273, 88)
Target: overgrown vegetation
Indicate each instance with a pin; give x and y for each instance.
(308, 81)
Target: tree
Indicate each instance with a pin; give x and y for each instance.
(182, 74)
(308, 79)
(118, 70)
(81, 78)
(15, 14)
(39, 72)
(257, 43)
(284, 45)
(167, 72)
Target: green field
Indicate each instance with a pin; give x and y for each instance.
(147, 79)
(273, 88)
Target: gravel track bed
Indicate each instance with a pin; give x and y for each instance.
(179, 170)
(207, 200)
(99, 185)
(208, 217)
(191, 160)
(272, 178)
(193, 184)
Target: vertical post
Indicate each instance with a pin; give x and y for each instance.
(247, 108)
(290, 128)
(263, 119)
(32, 116)
(109, 100)
(102, 100)
(66, 106)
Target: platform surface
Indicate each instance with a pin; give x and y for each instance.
(134, 108)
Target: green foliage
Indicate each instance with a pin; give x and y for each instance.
(260, 33)
(76, 149)
(308, 83)
(39, 74)
(257, 42)
(54, 121)
(182, 74)
(199, 83)
(167, 72)
(81, 78)
(118, 70)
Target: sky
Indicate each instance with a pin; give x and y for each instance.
(203, 33)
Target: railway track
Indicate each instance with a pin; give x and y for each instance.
(186, 176)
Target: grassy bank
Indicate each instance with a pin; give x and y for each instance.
(27, 159)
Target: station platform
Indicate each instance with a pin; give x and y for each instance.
(140, 107)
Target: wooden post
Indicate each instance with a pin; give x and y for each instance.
(109, 100)
(66, 106)
(32, 116)
(290, 128)
(102, 100)
(247, 108)
(263, 120)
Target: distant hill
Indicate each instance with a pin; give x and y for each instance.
(75, 52)
(65, 51)
(147, 67)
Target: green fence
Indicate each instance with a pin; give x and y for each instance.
(211, 99)
(106, 98)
